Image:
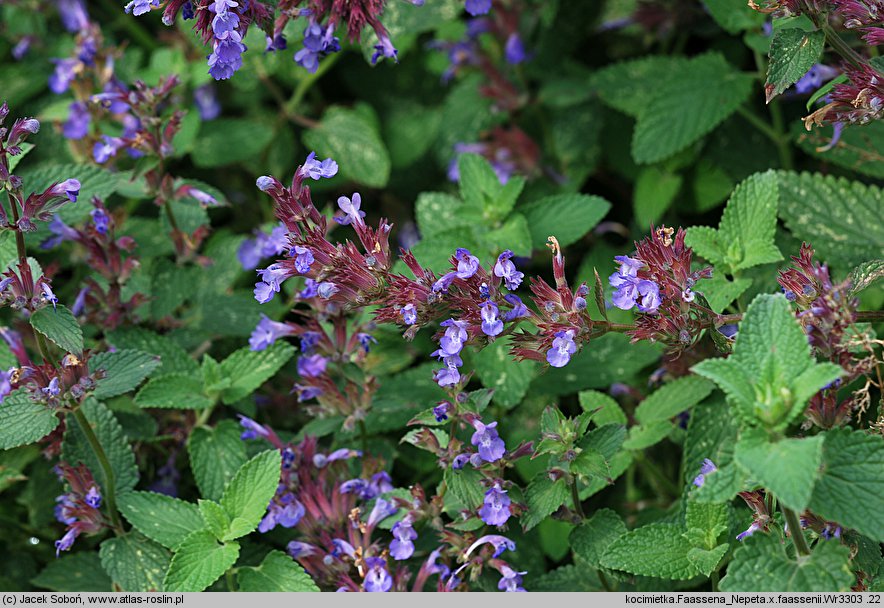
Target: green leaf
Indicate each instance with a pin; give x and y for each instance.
(498, 371)
(624, 86)
(771, 374)
(513, 234)
(180, 391)
(840, 217)
(655, 191)
(115, 443)
(591, 539)
(124, 369)
(466, 487)
(792, 53)
(645, 435)
(134, 562)
(658, 550)
(607, 410)
(278, 572)
(721, 292)
(94, 181)
(712, 433)
(568, 217)
(734, 16)
(686, 106)
(159, 517)
(249, 492)
(249, 369)
(76, 572)
(480, 188)
(437, 212)
(706, 523)
(199, 561)
(23, 421)
(13, 463)
(214, 145)
(60, 326)
(788, 468)
(571, 578)
(762, 565)
(852, 482)
(745, 237)
(673, 398)
(215, 517)
(215, 456)
(174, 359)
(865, 275)
(543, 497)
(353, 141)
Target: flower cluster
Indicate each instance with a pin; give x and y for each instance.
(79, 508)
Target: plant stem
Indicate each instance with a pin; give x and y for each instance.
(110, 481)
(866, 316)
(228, 578)
(795, 531)
(291, 106)
(363, 433)
(604, 580)
(759, 124)
(575, 495)
(783, 146)
(657, 477)
(714, 578)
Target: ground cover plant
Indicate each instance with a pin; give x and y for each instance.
(443, 295)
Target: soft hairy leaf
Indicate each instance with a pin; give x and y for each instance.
(249, 369)
(591, 539)
(436, 212)
(199, 561)
(465, 486)
(112, 438)
(658, 550)
(865, 275)
(642, 436)
(214, 145)
(568, 217)
(761, 564)
(353, 141)
(181, 391)
(215, 517)
(673, 398)
(480, 187)
(792, 53)
(75, 572)
(23, 421)
(842, 218)
(687, 105)
(173, 358)
(498, 371)
(124, 369)
(278, 572)
(543, 497)
(712, 433)
(94, 181)
(788, 468)
(570, 577)
(216, 454)
(59, 325)
(249, 492)
(655, 191)
(772, 373)
(159, 517)
(623, 86)
(852, 482)
(134, 562)
(734, 16)
(605, 409)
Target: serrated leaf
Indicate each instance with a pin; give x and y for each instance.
(658, 550)
(94, 181)
(708, 520)
(850, 487)
(251, 137)
(721, 292)
(571, 577)
(353, 141)
(76, 572)
(124, 369)
(159, 517)
(114, 442)
(180, 391)
(591, 539)
(173, 358)
(465, 486)
(199, 561)
(673, 398)
(134, 562)
(436, 212)
(23, 421)
(215, 517)
(479, 184)
(771, 374)
(60, 326)
(249, 369)
(655, 191)
(643, 436)
(712, 433)
(734, 16)
(568, 217)
(543, 497)
(840, 217)
(606, 409)
(278, 572)
(623, 86)
(498, 371)
(707, 560)
(513, 234)
(249, 492)
(792, 53)
(215, 456)
(686, 106)
(788, 468)
(865, 275)
(761, 564)
(745, 237)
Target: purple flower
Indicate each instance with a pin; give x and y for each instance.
(831, 531)
(352, 214)
(326, 290)
(316, 44)
(382, 510)
(64, 74)
(384, 48)
(749, 532)
(441, 411)
(433, 568)
(453, 340)
(105, 148)
(284, 510)
(467, 263)
(303, 258)
(316, 170)
(226, 57)
(139, 7)
(460, 461)
(562, 348)
(47, 295)
(61, 232)
(77, 124)
(311, 289)
(648, 297)
(707, 467)
(495, 510)
(518, 311)
(514, 51)
(253, 430)
(448, 375)
(377, 579)
(297, 549)
(505, 269)
(491, 447)
(815, 78)
(66, 541)
(267, 332)
(93, 497)
(629, 267)
(309, 339)
(477, 7)
(73, 15)
(491, 324)
(312, 366)
(271, 278)
(409, 314)
(206, 102)
(500, 544)
(100, 220)
(402, 546)
(365, 341)
(342, 547)
(22, 47)
(510, 579)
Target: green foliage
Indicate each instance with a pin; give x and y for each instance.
(543, 497)
(161, 518)
(216, 454)
(353, 141)
(568, 217)
(23, 421)
(251, 137)
(278, 572)
(246, 497)
(199, 561)
(792, 52)
(246, 370)
(75, 572)
(124, 370)
(591, 539)
(134, 562)
(60, 326)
